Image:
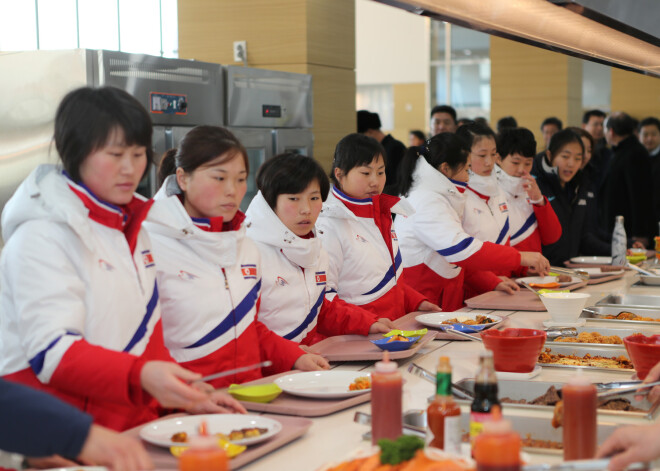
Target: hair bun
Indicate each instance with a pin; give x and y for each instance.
(423, 150)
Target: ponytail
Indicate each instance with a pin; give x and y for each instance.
(407, 167)
(167, 165)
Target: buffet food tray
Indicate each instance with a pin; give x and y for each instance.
(631, 301)
(595, 313)
(530, 390)
(537, 428)
(605, 331)
(576, 349)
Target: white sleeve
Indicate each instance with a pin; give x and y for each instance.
(47, 294)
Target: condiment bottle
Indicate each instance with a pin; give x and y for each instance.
(204, 454)
(485, 394)
(443, 415)
(579, 418)
(619, 242)
(386, 392)
(497, 447)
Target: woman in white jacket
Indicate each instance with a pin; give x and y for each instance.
(298, 299)
(79, 305)
(209, 273)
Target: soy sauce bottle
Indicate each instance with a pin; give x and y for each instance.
(485, 395)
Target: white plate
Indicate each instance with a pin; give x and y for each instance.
(650, 280)
(579, 323)
(593, 260)
(160, 432)
(321, 384)
(509, 375)
(436, 319)
(547, 279)
(596, 273)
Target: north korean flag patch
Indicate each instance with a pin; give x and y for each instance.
(249, 272)
(394, 237)
(320, 277)
(503, 208)
(148, 259)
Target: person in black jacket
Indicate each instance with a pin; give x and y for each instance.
(567, 190)
(37, 424)
(627, 186)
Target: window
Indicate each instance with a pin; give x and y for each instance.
(377, 99)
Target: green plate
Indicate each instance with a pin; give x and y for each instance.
(256, 393)
(543, 291)
(407, 333)
(636, 258)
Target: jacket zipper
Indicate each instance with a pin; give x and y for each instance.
(231, 302)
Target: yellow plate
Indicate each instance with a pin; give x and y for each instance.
(636, 258)
(231, 448)
(256, 393)
(407, 333)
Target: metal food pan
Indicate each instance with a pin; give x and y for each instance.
(576, 349)
(594, 313)
(631, 300)
(608, 331)
(530, 390)
(538, 428)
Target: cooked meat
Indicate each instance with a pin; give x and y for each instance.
(564, 278)
(619, 403)
(550, 398)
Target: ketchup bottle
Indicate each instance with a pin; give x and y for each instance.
(579, 421)
(443, 414)
(497, 447)
(386, 392)
(204, 454)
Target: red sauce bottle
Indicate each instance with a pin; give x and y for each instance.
(386, 392)
(443, 415)
(580, 417)
(204, 454)
(497, 447)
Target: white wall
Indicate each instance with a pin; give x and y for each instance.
(392, 45)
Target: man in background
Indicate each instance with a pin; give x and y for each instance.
(593, 121)
(443, 119)
(649, 136)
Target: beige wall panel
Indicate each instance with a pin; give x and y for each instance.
(636, 94)
(275, 31)
(331, 33)
(409, 109)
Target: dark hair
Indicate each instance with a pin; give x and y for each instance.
(516, 141)
(202, 144)
(87, 117)
(583, 133)
(444, 109)
(553, 121)
(355, 150)
(473, 132)
(588, 114)
(481, 120)
(462, 121)
(650, 121)
(621, 124)
(290, 174)
(445, 147)
(367, 120)
(506, 122)
(560, 139)
(418, 134)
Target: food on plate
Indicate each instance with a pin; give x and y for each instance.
(551, 397)
(234, 435)
(551, 285)
(398, 338)
(528, 442)
(606, 269)
(629, 316)
(467, 321)
(360, 383)
(564, 278)
(591, 337)
(587, 360)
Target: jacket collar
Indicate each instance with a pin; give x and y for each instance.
(340, 206)
(264, 226)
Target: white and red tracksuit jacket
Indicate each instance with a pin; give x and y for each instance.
(209, 277)
(79, 303)
(298, 300)
(434, 243)
(532, 225)
(364, 253)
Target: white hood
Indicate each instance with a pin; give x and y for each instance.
(511, 185)
(169, 218)
(334, 208)
(45, 194)
(264, 226)
(484, 185)
(426, 178)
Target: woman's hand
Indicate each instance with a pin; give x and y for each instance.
(631, 444)
(536, 262)
(381, 326)
(532, 188)
(652, 376)
(311, 362)
(428, 306)
(217, 402)
(507, 285)
(117, 452)
(166, 382)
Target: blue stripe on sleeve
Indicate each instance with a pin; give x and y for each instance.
(142, 328)
(391, 273)
(503, 232)
(233, 318)
(462, 245)
(308, 319)
(37, 362)
(530, 220)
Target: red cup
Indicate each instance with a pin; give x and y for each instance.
(644, 352)
(514, 350)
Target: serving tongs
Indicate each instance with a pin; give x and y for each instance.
(624, 390)
(641, 270)
(583, 275)
(456, 390)
(554, 333)
(526, 285)
(450, 330)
